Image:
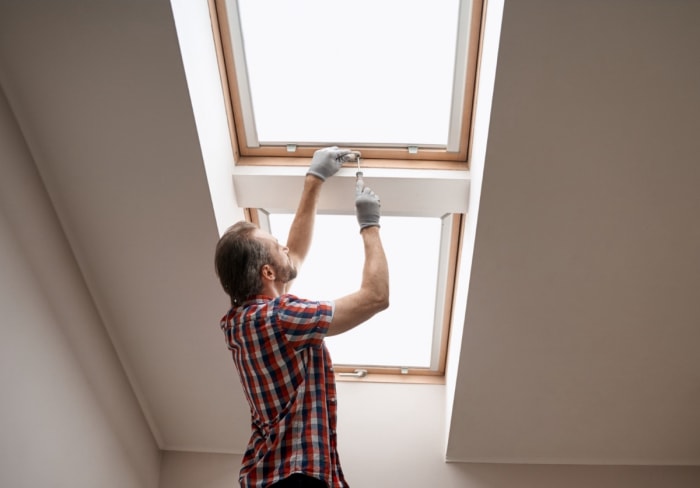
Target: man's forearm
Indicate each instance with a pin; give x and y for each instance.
(373, 295)
(301, 231)
(375, 273)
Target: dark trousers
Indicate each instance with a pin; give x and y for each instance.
(299, 481)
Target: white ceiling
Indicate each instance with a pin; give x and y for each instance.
(582, 328)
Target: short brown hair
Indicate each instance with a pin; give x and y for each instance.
(238, 260)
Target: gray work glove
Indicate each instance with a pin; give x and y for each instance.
(366, 205)
(327, 161)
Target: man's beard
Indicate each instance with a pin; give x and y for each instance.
(285, 272)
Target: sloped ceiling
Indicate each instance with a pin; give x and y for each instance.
(582, 326)
(583, 323)
(100, 93)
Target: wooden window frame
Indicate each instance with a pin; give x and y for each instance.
(386, 158)
(372, 155)
(396, 374)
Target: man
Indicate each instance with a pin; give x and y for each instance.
(276, 338)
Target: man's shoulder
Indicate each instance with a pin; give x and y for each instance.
(291, 301)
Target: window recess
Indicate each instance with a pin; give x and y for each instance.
(408, 341)
(390, 78)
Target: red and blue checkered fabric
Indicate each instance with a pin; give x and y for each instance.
(287, 375)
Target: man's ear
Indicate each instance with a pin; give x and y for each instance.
(267, 272)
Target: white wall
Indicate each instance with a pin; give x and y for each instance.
(186, 470)
(392, 436)
(201, 470)
(68, 416)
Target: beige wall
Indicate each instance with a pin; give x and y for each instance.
(186, 470)
(201, 470)
(68, 416)
(399, 441)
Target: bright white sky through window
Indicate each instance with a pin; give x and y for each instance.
(351, 71)
(400, 336)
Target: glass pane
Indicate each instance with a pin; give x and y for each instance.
(400, 336)
(351, 71)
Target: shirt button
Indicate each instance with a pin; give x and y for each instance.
(332, 399)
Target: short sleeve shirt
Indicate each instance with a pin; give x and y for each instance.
(287, 376)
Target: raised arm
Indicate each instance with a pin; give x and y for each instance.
(301, 231)
(324, 164)
(373, 295)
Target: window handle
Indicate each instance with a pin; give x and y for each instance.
(358, 373)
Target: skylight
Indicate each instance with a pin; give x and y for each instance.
(382, 74)
(350, 72)
(409, 333)
(394, 79)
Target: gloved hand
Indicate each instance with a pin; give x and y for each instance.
(366, 205)
(327, 161)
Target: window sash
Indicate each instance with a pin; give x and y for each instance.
(413, 155)
(435, 332)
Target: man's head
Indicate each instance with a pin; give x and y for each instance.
(246, 258)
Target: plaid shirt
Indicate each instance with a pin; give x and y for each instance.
(287, 375)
